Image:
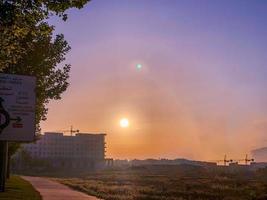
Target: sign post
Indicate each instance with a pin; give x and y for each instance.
(17, 115)
(3, 164)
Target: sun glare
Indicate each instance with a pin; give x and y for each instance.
(124, 123)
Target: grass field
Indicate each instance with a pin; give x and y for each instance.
(19, 189)
(170, 184)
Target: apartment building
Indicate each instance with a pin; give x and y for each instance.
(84, 150)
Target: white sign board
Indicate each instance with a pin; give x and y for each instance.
(17, 107)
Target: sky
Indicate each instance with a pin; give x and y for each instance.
(201, 91)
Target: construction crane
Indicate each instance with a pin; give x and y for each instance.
(246, 160)
(225, 160)
(71, 131)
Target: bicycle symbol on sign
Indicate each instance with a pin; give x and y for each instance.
(5, 117)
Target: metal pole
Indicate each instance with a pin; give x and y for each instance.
(3, 164)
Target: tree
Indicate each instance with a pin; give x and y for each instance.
(28, 47)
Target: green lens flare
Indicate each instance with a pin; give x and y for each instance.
(139, 66)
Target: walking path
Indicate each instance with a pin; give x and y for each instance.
(51, 190)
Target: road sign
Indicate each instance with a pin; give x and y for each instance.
(17, 107)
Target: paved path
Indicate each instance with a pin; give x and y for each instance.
(51, 190)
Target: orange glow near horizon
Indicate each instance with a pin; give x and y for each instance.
(163, 124)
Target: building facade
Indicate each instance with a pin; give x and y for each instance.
(84, 150)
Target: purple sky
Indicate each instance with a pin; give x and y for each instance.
(200, 94)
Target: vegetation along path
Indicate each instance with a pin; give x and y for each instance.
(51, 190)
(19, 189)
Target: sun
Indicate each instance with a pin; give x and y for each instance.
(124, 122)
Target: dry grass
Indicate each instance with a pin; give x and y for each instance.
(172, 184)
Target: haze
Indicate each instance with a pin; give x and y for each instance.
(201, 91)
